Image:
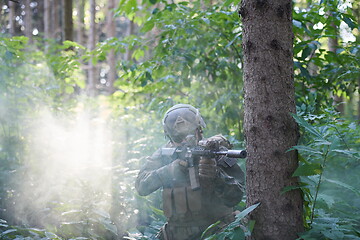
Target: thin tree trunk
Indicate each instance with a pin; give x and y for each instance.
(80, 21)
(131, 27)
(47, 19)
(111, 57)
(28, 21)
(39, 16)
(67, 20)
(57, 33)
(12, 7)
(269, 128)
(91, 88)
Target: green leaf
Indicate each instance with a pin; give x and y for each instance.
(328, 200)
(247, 211)
(148, 25)
(157, 211)
(306, 52)
(290, 188)
(68, 44)
(238, 234)
(69, 89)
(51, 235)
(209, 228)
(138, 53)
(349, 22)
(227, 3)
(351, 154)
(312, 130)
(306, 149)
(321, 142)
(344, 185)
(7, 232)
(308, 170)
(130, 7)
(3, 223)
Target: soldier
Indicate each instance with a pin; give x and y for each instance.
(191, 211)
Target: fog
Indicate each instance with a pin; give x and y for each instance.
(75, 173)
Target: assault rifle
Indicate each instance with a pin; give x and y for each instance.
(189, 153)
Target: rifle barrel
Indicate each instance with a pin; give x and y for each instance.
(233, 153)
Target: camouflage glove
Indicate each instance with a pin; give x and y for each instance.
(215, 142)
(208, 168)
(174, 171)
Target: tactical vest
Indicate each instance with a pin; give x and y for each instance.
(186, 207)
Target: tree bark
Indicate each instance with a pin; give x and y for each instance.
(91, 87)
(12, 29)
(47, 19)
(57, 32)
(68, 25)
(111, 56)
(39, 16)
(28, 21)
(269, 128)
(130, 31)
(80, 21)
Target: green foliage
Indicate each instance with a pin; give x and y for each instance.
(318, 69)
(328, 169)
(72, 207)
(236, 230)
(185, 52)
(196, 55)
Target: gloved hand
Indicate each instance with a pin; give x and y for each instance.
(176, 170)
(208, 168)
(215, 142)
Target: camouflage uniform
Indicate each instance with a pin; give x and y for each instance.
(189, 212)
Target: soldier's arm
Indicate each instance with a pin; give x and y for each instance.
(156, 174)
(230, 184)
(148, 180)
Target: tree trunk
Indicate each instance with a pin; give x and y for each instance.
(111, 57)
(67, 20)
(28, 21)
(57, 32)
(91, 87)
(12, 12)
(39, 16)
(131, 30)
(47, 19)
(269, 128)
(80, 21)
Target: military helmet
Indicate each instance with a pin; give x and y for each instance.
(182, 120)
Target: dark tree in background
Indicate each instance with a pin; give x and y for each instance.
(269, 127)
(68, 20)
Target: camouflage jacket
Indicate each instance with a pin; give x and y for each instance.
(183, 206)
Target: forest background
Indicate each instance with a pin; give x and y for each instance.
(84, 86)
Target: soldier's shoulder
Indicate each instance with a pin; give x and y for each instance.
(158, 153)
